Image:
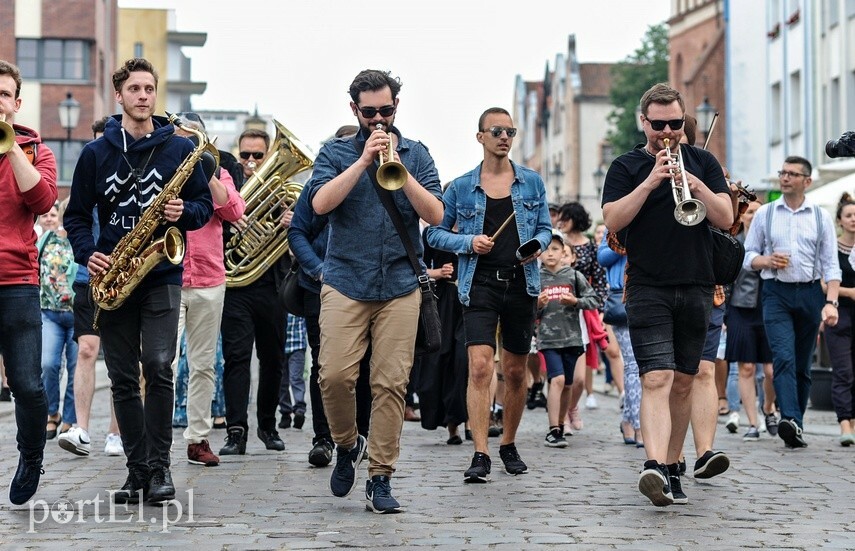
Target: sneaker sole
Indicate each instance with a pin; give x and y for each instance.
(476, 479)
(558, 444)
(70, 446)
(206, 464)
(714, 467)
(651, 485)
(751, 439)
(789, 435)
(369, 506)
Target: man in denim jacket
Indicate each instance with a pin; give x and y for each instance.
(496, 207)
(370, 291)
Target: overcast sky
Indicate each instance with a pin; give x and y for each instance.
(295, 59)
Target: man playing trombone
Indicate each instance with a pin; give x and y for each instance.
(670, 273)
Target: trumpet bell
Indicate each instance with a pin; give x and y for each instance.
(7, 135)
(690, 212)
(391, 175)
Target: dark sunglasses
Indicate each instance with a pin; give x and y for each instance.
(257, 155)
(370, 112)
(659, 126)
(496, 131)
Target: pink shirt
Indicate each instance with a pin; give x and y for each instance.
(203, 259)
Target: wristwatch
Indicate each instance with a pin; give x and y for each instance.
(833, 303)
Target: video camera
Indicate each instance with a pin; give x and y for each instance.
(844, 146)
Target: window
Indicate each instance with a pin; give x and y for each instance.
(138, 49)
(795, 115)
(775, 114)
(66, 158)
(53, 59)
(850, 9)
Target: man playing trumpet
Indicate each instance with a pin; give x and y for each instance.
(670, 274)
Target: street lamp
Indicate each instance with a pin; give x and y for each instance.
(69, 114)
(598, 180)
(705, 113)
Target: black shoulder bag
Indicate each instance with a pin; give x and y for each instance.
(429, 333)
(728, 253)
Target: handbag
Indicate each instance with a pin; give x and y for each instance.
(728, 254)
(291, 293)
(429, 332)
(614, 311)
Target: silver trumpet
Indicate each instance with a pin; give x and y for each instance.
(689, 211)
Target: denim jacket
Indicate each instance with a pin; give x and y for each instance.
(465, 205)
(307, 238)
(365, 258)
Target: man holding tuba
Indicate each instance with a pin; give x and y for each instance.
(370, 291)
(134, 167)
(27, 188)
(670, 279)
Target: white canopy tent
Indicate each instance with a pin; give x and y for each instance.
(828, 195)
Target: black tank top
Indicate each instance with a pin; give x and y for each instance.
(503, 254)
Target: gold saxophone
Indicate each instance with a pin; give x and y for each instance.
(257, 247)
(133, 257)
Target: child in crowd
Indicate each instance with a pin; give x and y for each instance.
(564, 293)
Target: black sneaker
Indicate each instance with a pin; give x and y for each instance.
(299, 420)
(495, 428)
(378, 495)
(791, 434)
(680, 498)
(160, 486)
(711, 464)
(321, 454)
(654, 483)
(479, 471)
(771, 423)
(26, 480)
(285, 422)
(554, 439)
(235, 441)
(135, 486)
(681, 464)
(532, 401)
(511, 458)
(271, 439)
(343, 478)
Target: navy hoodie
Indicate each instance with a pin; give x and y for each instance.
(104, 177)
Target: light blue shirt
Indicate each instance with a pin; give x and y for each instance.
(813, 251)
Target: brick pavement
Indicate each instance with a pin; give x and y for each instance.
(583, 496)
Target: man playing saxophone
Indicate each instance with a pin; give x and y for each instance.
(131, 168)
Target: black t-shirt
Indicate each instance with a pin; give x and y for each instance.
(503, 255)
(848, 279)
(660, 250)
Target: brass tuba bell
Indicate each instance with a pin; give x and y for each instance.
(7, 135)
(391, 174)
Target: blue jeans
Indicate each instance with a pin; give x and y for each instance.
(57, 334)
(21, 341)
(292, 378)
(791, 314)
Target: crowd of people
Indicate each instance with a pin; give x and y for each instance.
(530, 303)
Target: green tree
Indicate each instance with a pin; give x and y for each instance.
(630, 79)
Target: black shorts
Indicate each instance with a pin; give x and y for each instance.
(84, 311)
(492, 301)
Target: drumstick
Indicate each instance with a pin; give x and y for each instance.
(502, 227)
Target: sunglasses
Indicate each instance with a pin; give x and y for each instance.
(659, 126)
(496, 131)
(370, 112)
(257, 155)
(782, 173)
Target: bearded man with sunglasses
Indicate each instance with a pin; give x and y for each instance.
(252, 314)
(670, 282)
(496, 207)
(370, 291)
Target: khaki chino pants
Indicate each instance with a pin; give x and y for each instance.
(347, 327)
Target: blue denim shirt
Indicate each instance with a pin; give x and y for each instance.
(307, 238)
(365, 258)
(466, 204)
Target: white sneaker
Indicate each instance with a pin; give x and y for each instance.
(113, 445)
(733, 422)
(75, 440)
(591, 402)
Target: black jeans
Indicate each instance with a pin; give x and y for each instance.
(841, 349)
(312, 306)
(144, 331)
(21, 342)
(252, 314)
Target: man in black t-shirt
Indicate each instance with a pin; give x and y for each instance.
(670, 277)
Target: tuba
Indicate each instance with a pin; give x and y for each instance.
(250, 252)
(133, 257)
(688, 211)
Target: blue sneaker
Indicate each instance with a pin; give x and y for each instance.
(378, 496)
(343, 478)
(26, 480)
